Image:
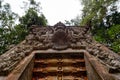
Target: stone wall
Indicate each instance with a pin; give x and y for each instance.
(24, 70)
(92, 74)
(27, 73)
(43, 38)
(10, 59)
(96, 70)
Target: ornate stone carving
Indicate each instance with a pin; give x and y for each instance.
(57, 37)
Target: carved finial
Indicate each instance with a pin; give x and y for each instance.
(59, 24)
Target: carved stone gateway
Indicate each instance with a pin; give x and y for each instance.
(60, 50)
(58, 37)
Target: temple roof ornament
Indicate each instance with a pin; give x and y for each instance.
(58, 37)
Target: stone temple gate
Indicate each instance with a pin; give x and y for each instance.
(59, 52)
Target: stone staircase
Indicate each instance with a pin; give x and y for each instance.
(59, 66)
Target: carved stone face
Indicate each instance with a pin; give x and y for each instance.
(60, 37)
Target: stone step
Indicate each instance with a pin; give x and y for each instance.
(67, 62)
(58, 60)
(42, 65)
(60, 68)
(59, 56)
(58, 78)
(74, 74)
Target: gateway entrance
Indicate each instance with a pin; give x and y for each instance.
(59, 66)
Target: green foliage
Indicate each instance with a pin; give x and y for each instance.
(114, 32)
(10, 37)
(20, 33)
(12, 34)
(7, 20)
(32, 16)
(105, 28)
(7, 17)
(95, 10)
(116, 46)
(113, 18)
(109, 35)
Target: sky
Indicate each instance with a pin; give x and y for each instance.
(54, 10)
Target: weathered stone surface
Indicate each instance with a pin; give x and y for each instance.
(106, 56)
(10, 59)
(58, 37)
(62, 37)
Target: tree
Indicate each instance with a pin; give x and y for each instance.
(7, 17)
(33, 16)
(105, 21)
(7, 20)
(12, 34)
(95, 10)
